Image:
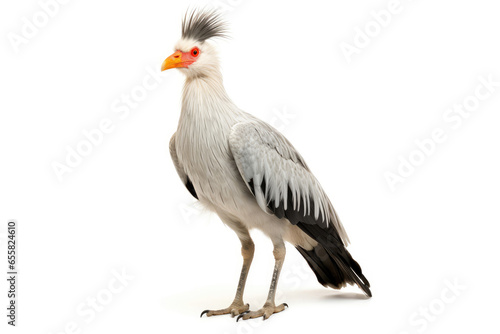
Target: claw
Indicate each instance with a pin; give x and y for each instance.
(202, 313)
(286, 305)
(242, 314)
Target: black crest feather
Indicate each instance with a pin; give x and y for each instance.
(201, 25)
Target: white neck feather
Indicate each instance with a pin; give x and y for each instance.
(205, 96)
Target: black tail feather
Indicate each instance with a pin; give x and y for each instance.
(330, 260)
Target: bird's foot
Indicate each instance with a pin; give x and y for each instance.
(234, 309)
(266, 311)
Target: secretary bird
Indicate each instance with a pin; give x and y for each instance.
(249, 174)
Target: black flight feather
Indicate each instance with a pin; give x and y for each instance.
(330, 260)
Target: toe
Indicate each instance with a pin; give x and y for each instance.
(265, 312)
(233, 309)
(249, 315)
(239, 310)
(280, 308)
(210, 313)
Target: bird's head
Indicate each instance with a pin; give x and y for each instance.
(194, 55)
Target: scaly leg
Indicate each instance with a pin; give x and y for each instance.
(270, 307)
(237, 306)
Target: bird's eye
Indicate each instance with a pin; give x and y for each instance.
(195, 52)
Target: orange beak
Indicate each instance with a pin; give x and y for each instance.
(177, 59)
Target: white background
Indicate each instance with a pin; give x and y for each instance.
(123, 207)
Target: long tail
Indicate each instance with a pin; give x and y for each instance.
(330, 260)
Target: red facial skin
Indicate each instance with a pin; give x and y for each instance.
(181, 59)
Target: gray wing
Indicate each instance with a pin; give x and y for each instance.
(184, 177)
(279, 178)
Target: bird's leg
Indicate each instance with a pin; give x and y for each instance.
(270, 307)
(237, 306)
